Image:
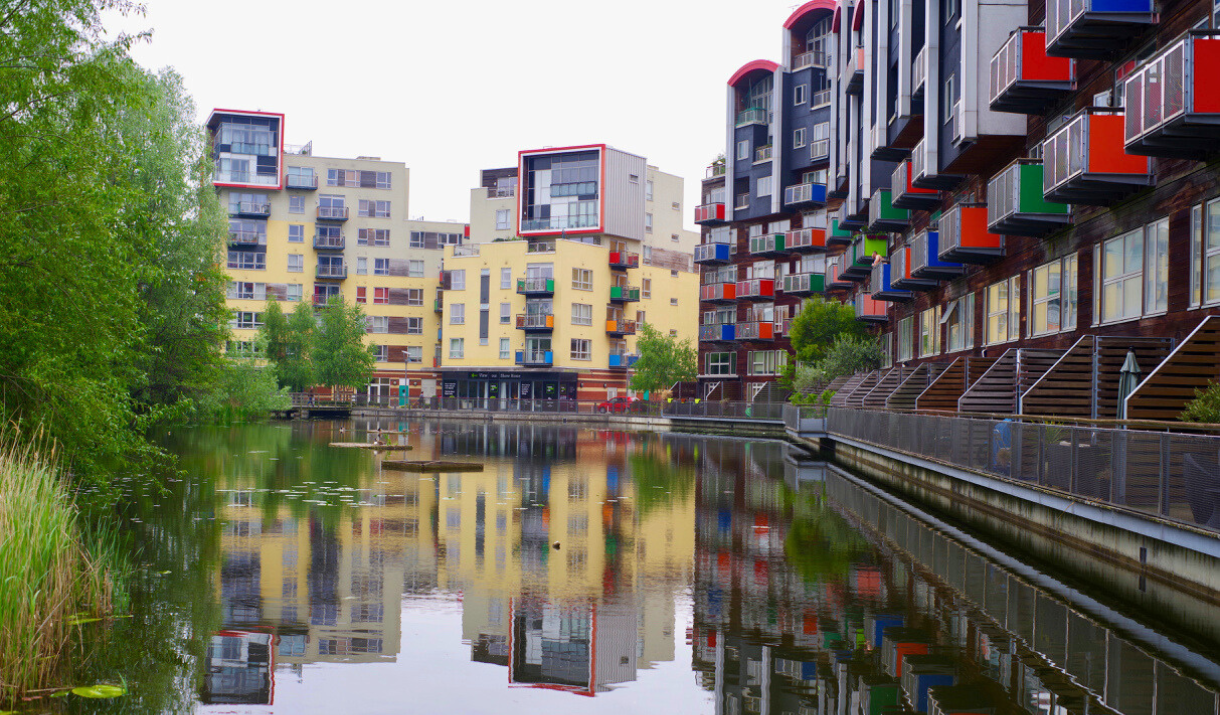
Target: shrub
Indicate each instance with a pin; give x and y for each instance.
(1205, 407)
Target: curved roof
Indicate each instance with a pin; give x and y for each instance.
(751, 67)
(804, 11)
(858, 21)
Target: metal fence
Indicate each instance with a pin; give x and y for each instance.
(1173, 475)
(805, 419)
(702, 409)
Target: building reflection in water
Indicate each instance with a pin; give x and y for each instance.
(304, 583)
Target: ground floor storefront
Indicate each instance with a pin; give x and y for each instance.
(505, 389)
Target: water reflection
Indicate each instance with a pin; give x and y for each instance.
(598, 564)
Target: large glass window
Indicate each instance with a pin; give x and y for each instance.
(929, 332)
(1003, 312)
(1122, 276)
(1052, 297)
(582, 314)
(582, 349)
(905, 336)
(457, 348)
(959, 323)
(720, 363)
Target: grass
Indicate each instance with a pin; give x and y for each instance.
(54, 570)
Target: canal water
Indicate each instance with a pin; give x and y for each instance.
(591, 571)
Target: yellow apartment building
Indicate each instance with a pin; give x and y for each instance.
(304, 227)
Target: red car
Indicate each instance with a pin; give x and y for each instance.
(618, 404)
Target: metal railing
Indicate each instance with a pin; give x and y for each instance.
(257, 208)
(812, 58)
(1175, 476)
(804, 419)
(754, 115)
(742, 201)
(714, 170)
(688, 409)
(300, 181)
(763, 153)
(334, 213)
(248, 238)
(328, 240)
(821, 97)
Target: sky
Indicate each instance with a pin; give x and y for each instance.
(452, 87)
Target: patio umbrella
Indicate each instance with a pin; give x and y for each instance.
(1128, 379)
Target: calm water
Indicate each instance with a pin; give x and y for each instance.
(591, 572)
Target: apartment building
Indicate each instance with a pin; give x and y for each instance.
(1022, 184)
(307, 227)
(562, 268)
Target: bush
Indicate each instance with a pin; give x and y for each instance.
(848, 356)
(1205, 407)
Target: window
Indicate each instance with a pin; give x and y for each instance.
(581, 349)
(673, 301)
(378, 324)
(673, 332)
(959, 321)
(743, 150)
(647, 223)
(381, 266)
(1052, 297)
(501, 219)
(383, 353)
(1003, 312)
(798, 138)
(673, 273)
(648, 190)
(674, 237)
(929, 332)
(296, 204)
(905, 336)
(373, 236)
(296, 233)
(633, 178)
(887, 350)
(1156, 267)
(457, 314)
(504, 348)
(506, 279)
(582, 279)
(296, 263)
(506, 313)
(246, 320)
(764, 186)
(949, 99)
(457, 348)
(381, 296)
(292, 291)
(239, 290)
(415, 326)
(1122, 269)
(720, 364)
(767, 362)
(950, 10)
(245, 260)
(457, 280)
(374, 209)
(800, 94)
(362, 266)
(361, 294)
(821, 140)
(646, 287)
(640, 317)
(582, 314)
(415, 353)
(415, 269)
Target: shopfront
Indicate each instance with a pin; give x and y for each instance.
(476, 389)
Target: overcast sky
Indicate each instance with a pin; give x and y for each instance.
(453, 87)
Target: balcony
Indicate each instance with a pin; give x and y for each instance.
(810, 59)
(924, 254)
(802, 195)
(964, 237)
(805, 283)
(869, 309)
(1086, 162)
(332, 213)
(835, 280)
(885, 147)
(1016, 206)
(621, 260)
(328, 242)
(438, 306)
(321, 299)
(1095, 29)
(1024, 80)
(240, 238)
(714, 171)
(768, 244)
(880, 287)
(741, 202)
(718, 333)
(332, 271)
(718, 293)
(806, 240)
(300, 181)
(756, 289)
(924, 168)
(713, 253)
(619, 328)
(253, 209)
(535, 358)
(755, 331)
(838, 235)
(900, 271)
(624, 294)
(861, 255)
(536, 286)
(753, 115)
(763, 153)
(1172, 106)
(535, 322)
(907, 195)
(919, 73)
(622, 360)
(710, 214)
(853, 75)
(882, 216)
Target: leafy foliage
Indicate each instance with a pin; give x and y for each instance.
(819, 324)
(849, 355)
(288, 341)
(663, 361)
(339, 356)
(1205, 408)
(245, 391)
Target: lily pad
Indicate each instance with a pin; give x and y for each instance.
(101, 690)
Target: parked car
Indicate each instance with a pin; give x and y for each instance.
(619, 404)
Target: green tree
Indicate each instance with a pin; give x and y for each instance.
(849, 355)
(819, 324)
(663, 361)
(245, 390)
(340, 357)
(287, 339)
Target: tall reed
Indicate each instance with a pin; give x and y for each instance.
(48, 574)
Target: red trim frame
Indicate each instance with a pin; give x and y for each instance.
(601, 190)
(803, 10)
(857, 20)
(280, 168)
(750, 68)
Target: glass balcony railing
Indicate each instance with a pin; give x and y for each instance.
(332, 270)
(714, 170)
(742, 202)
(753, 115)
(812, 58)
(247, 238)
(329, 241)
(301, 181)
(559, 223)
(332, 213)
